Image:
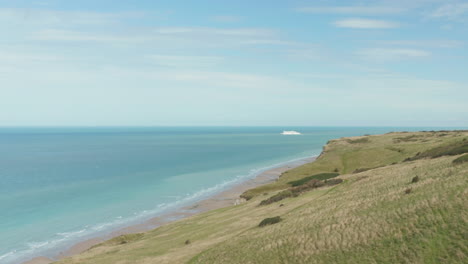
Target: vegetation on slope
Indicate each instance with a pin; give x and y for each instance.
(461, 159)
(369, 218)
(300, 189)
(270, 221)
(358, 154)
(320, 176)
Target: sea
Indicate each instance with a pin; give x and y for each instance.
(63, 185)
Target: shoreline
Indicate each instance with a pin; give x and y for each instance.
(227, 197)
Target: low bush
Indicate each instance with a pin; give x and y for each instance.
(270, 221)
(320, 176)
(456, 148)
(246, 196)
(331, 182)
(361, 170)
(296, 191)
(395, 149)
(408, 191)
(314, 183)
(415, 179)
(278, 197)
(461, 159)
(357, 141)
(410, 138)
(123, 239)
(358, 170)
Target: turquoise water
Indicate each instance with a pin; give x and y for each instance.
(62, 185)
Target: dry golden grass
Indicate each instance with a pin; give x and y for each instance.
(366, 219)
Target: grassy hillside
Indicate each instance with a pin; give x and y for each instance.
(411, 208)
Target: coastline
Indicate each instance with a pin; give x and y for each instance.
(228, 197)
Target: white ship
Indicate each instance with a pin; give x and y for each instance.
(291, 132)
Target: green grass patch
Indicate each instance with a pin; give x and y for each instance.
(410, 138)
(278, 197)
(121, 240)
(320, 176)
(357, 141)
(365, 169)
(456, 148)
(270, 221)
(460, 160)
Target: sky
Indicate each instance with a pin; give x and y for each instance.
(234, 63)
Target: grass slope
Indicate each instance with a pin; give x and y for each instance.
(375, 216)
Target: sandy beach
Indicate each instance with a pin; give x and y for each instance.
(225, 198)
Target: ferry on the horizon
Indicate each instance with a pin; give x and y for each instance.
(290, 132)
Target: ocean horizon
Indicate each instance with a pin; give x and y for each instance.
(63, 185)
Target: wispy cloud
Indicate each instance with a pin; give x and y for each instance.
(424, 43)
(70, 35)
(249, 32)
(179, 61)
(451, 11)
(169, 36)
(352, 10)
(361, 23)
(30, 57)
(385, 55)
(62, 18)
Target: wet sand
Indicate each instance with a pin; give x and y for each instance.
(225, 198)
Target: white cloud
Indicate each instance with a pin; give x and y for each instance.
(54, 17)
(361, 23)
(425, 43)
(14, 57)
(384, 55)
(352, 10)
(169, 37)
(251, 34)
(186, 61)
(69, 35)
(450, 11)
(246, 32)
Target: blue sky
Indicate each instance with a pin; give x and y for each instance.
(315, 63)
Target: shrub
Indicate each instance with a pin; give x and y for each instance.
(123, 239)
(187, 242)
(395, 149)
(320, 176)
(410, 138)
(456, 148)
(361, 170)
(358, 170)
(415, 179)
(270, 221)
(357, 141)
(333, 182)
(461, 159)
(278, 197)
(247, 196)
(408, 191)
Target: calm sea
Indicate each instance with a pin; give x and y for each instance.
(62, 185)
